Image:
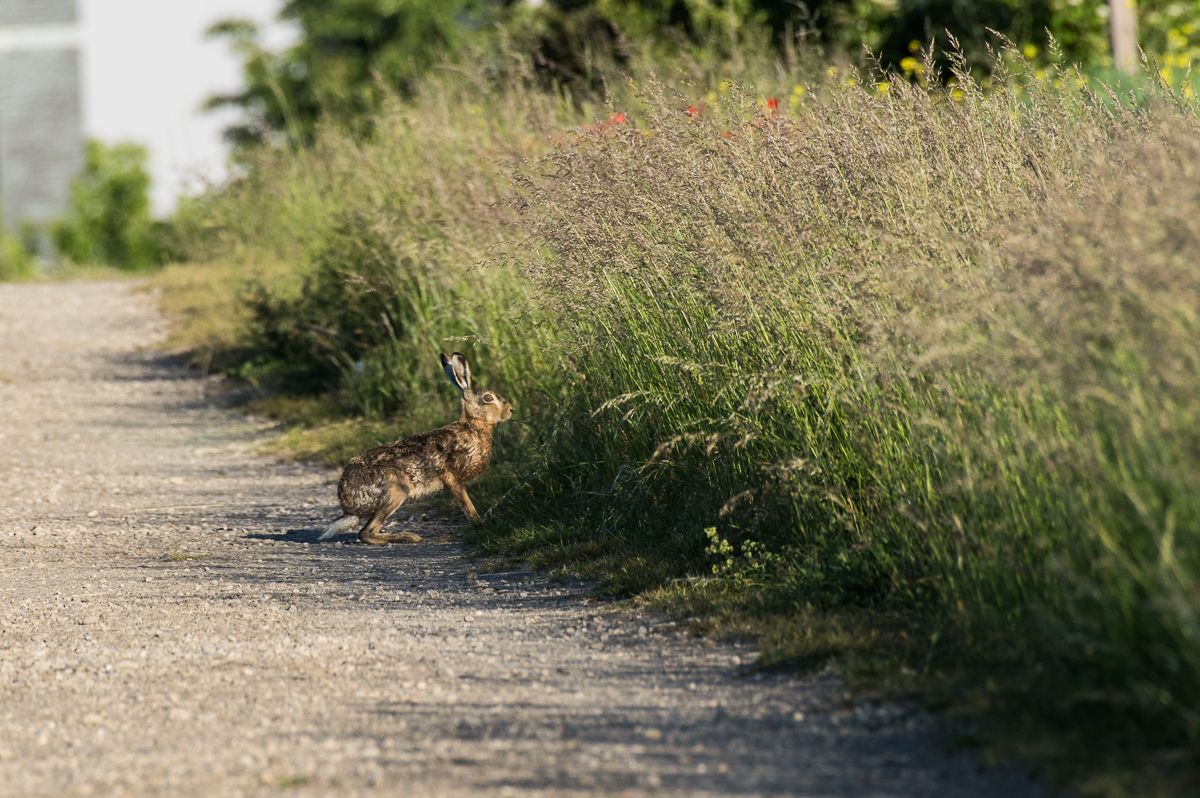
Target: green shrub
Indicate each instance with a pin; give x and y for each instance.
(19, 253)
(109, 218)
(395, 241)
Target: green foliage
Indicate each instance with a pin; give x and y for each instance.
(395, 236)
(349, 54)
(352, 53)
(109, 218)
(19, 253)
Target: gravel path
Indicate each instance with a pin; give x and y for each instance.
(169, 627)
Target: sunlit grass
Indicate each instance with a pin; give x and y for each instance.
(210, 321)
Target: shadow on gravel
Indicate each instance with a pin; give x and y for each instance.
(313, 536)
(146, 366)
(292, 536)
(142, 366)
(704, 751)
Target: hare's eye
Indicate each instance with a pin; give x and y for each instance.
(487, 397)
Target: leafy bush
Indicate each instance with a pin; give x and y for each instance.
(109, 218)
(19, 253)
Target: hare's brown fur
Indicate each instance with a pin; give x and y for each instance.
(376, 482)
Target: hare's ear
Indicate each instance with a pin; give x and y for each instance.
(458, 372)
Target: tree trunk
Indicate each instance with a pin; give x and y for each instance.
(1123, 19)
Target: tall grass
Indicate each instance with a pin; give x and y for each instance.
(917, 354)
(915, 349)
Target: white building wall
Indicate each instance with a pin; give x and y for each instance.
(41, 140)
(32, 12)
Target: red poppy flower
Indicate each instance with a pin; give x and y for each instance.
(695, 111)
(618, 119)
(773, 106)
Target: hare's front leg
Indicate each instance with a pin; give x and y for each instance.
(460, 495)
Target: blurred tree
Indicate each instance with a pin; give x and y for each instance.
(923, 21)
(277, 94)
(109, 218)
(345, 47)
(349, 49)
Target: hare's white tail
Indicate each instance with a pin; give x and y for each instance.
(338, 526)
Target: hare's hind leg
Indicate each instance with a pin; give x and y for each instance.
(395, 497)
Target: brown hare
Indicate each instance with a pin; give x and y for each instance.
(377, 482)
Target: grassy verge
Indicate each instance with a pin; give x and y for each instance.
(212, 323)
(898, 375)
